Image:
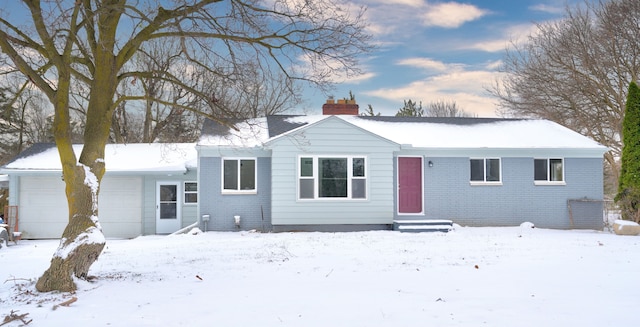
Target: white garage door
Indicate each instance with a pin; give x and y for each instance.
(43, 207)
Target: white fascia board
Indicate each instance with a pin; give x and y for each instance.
(20, 172)
(271, 142)
(227, 151)
(44, 172)
(506, 152)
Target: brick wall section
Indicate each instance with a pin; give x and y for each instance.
(448, 195)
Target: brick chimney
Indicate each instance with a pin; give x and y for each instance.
(341, 107)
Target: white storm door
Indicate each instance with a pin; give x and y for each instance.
(167, 207)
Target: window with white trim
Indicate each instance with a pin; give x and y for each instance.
(485, 170)
(548, 170)
(190, 192)
(239, 175)
(332, 177)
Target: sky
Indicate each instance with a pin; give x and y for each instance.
(439, 51)
(433, 50)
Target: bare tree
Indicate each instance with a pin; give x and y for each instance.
(25, 118)
(7, 128)
(575, 71)
(443, 108)
(68, 46)
(250, 92)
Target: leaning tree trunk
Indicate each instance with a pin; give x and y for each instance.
(82, 240)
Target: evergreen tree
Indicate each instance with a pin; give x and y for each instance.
(411, 109)
(369, 111)
(629, 184)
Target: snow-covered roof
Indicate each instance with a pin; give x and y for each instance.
(418, 132)
(133, 157)
(247, 133)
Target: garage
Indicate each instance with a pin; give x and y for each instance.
(43, 206)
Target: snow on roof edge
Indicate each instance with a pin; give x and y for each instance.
(119, 158)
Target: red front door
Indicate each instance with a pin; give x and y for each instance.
(409, 185)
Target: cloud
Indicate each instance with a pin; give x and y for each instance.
(383, 19)
(356, 79)
(490, 45)
(425, 63)
(512, 34)
(383, 16)
(451, 14)
(547, 9)
(410, 3)
(333, 71)
(494, 65)
(466, 88)
(340, 77)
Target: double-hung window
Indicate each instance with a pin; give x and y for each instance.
(238, 175)
(332, 177)
(485, 171)
(190, 192)
(548, 171)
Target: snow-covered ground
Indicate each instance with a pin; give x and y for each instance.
(517, 276)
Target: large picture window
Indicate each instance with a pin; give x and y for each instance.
(239, 175)
(548, 171)
(485, 170)
(332, 177)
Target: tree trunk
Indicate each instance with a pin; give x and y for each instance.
(82, 240)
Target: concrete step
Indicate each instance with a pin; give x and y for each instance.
(418, 226)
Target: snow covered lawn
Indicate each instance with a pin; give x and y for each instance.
(517, 276)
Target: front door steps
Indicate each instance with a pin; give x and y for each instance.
(417, 226)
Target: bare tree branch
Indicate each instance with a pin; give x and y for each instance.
(576, 71)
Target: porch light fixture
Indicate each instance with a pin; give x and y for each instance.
(430, 163)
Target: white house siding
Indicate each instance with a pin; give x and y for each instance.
(120, 206)
(327, 138)
(43, 210)
(449, 195)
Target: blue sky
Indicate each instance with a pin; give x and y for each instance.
(438, 50)
(430, 50)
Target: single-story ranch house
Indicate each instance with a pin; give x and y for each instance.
(333, 172)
